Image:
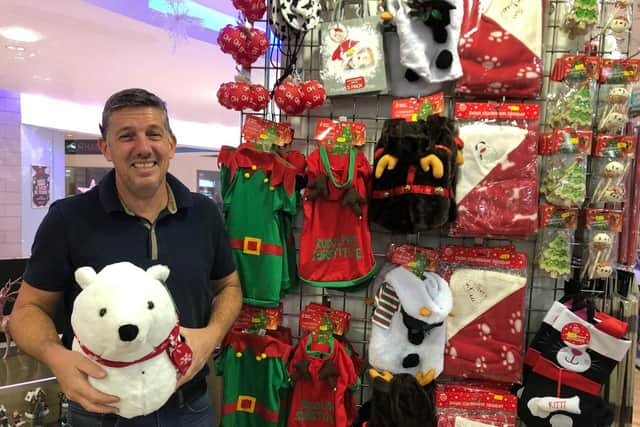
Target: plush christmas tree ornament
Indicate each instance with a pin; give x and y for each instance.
(124, 319)
(408, 325)
(429, 34)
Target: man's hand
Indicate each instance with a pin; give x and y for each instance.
(71, 370)
(202, 345)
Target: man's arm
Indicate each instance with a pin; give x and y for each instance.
(225, 310)
(33, 330)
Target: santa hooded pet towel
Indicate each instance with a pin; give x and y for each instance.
(497, 188)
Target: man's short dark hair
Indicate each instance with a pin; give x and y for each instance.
(127, 98)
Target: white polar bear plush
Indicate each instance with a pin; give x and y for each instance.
(125, 320)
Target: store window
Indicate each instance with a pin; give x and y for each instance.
(80, 179)
(209, 185)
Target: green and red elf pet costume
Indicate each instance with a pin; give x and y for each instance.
(258, 189)
(323, 373)
(255, 379)
(415, 166)
(335, 244)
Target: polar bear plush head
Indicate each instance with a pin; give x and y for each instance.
(123, 312)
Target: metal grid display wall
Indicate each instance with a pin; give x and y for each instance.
(373, 110)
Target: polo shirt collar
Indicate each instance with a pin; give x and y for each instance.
(179, 195)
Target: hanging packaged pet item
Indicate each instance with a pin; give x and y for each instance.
(408, 331)
(475, 404)
(257, 177)
(603, 226)
(323, 372)
(336, 253)
(558, 226)
(428, 33)
(485, 334)
(612, 160)
(568, 363)
(415, 167)
(619, 21)
(618, 76)
(580, 18)
(256, 379)
(351, 53)
(564, 166)
(501, 48)
(414, 109)
(497, 188)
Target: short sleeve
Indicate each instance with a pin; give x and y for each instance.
(49, 267)
(223, 263)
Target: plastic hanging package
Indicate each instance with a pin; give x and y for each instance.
(501, 49)
(602, 228)
(611, 165)
(564, 166)
(572, 101)
(581, 16)
(486, 332)
(497, 187)
(555, 249)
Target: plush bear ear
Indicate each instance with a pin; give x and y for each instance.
(84, 276)
(159, 272)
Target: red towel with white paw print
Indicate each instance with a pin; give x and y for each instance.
(486, 330)
(497, 188)
(500, 48)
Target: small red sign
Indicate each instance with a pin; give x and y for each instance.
(575, 334)
(354, 83)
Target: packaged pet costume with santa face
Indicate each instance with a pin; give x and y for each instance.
(125, 321)
(415, 169)
(408, 324)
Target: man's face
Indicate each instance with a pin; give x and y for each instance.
(140, 147)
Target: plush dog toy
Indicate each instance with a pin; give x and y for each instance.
(125, 321)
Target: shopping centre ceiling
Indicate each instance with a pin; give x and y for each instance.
(92, 48)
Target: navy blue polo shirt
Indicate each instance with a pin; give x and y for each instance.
(94, 229)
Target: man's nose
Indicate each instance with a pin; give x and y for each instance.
(143, 145)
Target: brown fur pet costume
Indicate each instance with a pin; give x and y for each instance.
(415, 169)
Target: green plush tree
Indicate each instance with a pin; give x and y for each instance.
(267, 139)
(325, 331)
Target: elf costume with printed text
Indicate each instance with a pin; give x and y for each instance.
(255, 376)
(258, 189)
(335, 244)
(323, 372)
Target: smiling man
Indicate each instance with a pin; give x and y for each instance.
(142, 214)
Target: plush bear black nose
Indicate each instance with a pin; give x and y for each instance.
(128, 332)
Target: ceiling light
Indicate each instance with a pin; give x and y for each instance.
(20, 34)
(18, 48)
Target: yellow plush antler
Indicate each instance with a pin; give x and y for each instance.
(385, 375)
(433, 163)
(424, 379)
(386, 162)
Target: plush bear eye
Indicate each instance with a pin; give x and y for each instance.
(102, 312)
(150, 305)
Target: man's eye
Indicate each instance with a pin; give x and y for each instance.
(155, 136)
(126, 136)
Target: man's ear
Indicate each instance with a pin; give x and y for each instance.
(174, 144)
(104, 148)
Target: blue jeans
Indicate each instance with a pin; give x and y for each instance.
(197, 413)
